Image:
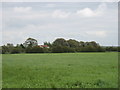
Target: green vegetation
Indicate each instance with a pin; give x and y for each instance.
(60, 45)
(60, 70)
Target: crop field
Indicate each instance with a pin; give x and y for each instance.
(60, 70)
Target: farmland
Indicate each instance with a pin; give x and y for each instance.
(60, 70)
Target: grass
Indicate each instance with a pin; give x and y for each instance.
(60, 70)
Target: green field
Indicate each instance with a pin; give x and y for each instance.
(60, 70)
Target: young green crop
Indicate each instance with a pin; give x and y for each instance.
(60, 70)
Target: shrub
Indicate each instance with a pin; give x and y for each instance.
(62, 49)
(15, 50)
(35, 49)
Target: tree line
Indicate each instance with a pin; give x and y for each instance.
(60, 45)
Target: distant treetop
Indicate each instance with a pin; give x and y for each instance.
(31, 39)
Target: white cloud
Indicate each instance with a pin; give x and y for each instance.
(22, 9)
(101, 34)
(60, 14)
(50, 5)
(45, 24)
(31, 14)
(87, 12)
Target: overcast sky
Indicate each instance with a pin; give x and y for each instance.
(71, 20)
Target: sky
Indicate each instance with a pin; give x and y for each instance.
(46, 21)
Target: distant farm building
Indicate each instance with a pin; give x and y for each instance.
(43, 46)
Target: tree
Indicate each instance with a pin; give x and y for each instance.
(112, 48)
(89, 49)
(94, 44)
(73, 43)
(15, 50)
(10, 45)
(7, 49)
(20, 48)
(21, 45)
(47, 50)
(0, 50)
(30, 42)
(82, 44)
(28, 49)
(100, 49)
(34, 49)
(118, 48)
(62, 49)
(57, 49)
(48, 44)
(60, 42)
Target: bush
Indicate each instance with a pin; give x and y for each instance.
(88, 49)
(100, 49)
(35, 49)
(15, 50)
(112, 48)
(62, 49)
(6, 50)
(118, 49)
(47, 50)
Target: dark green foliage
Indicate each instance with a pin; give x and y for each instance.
(78, 49)
(73, 43)
(35, 49)
(57, 49)
(119, 49)
(94, 44)
(28, 50)
(112, 48)
(89, 49)
(30, 42)
(7, 49)
(48, 44)
(18, 49)
(60, 45)
(82, 44)
(15, 50)
(21, 45)
(0, 50)
(60, 42)
(100, 49)
(93, 49)
(62, 49)
(47, 50)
